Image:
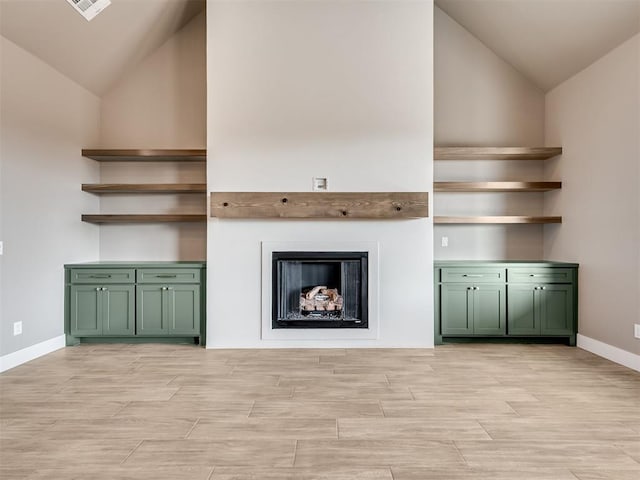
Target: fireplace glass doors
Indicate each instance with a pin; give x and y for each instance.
(319, 289)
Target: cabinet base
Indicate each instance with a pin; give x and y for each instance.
(568, 340)
(71, 341)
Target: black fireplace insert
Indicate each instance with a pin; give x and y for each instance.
(320, 290)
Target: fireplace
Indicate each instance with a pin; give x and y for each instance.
(320, 331)
(319, 289)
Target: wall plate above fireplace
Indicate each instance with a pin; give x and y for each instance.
(320, 184)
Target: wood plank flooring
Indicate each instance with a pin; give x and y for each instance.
(458, 412)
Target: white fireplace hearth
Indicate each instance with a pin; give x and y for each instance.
(239, 282)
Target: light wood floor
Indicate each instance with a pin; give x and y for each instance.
(482, 412)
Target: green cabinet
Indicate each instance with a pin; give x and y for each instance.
(151, 312)
(107, 310)
(85, 310)
(168, 309)
(473, 309)
(456, 305)
(545, 309)
(183, 306)
(556, 310)
(524, 310)
(146, 300)
(473, 275)
(519, 299)
(101, 276)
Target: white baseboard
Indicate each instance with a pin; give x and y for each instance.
(25, 355)
(615, 354)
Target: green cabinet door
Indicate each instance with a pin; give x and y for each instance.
(168, 310)
(523, 307)
(183, 309)
(151, 307)
(456, 309)
(85, 312)
(489, 307)
(540, 309)
(102, 310)
(118, 310)
(473, 310)
(556, 310)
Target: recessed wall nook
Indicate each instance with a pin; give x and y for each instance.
(521, 185)
(147, 157)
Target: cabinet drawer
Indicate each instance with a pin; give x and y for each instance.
(472, 275)
(168, 275)
(540, 275)
(102, 276)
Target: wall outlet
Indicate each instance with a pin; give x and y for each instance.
(636, 330)
(444, 241)
(17, 328)
(1, 247)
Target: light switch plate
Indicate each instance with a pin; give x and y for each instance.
(1, 247)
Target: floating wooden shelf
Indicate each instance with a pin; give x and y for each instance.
(319, 205)
(495, 153)
(112, 155)
(497, 219)
(496, 186)
(144, 187)
(137, 218)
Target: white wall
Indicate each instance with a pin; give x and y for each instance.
(335, 89)
(595, 116)
(480, 100)
(46, 120)
(159, 104)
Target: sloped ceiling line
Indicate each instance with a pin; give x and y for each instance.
(548, 41)
(94, 54)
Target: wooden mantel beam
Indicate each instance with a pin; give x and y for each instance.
(319, 205)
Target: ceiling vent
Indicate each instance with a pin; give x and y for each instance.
(89, 8)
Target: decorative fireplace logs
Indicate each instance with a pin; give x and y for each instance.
(320, 298)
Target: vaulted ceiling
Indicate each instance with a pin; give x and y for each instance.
(547, 41)
(94, 54)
